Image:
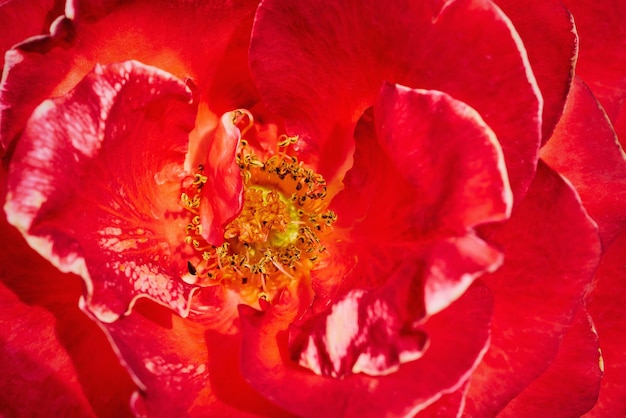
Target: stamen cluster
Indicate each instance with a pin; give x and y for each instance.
(276, 237)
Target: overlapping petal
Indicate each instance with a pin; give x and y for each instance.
(570, 386)
(551, 41)
(321, 64)
(95, 185)
(586, 151)
(606, 306)
(551, 252)
(186, 39)
(459, 337)
(50, 354)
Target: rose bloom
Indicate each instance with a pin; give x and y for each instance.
(315, 208)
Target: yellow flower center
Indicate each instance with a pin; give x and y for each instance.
(276, 237)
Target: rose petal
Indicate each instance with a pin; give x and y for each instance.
(322, 71)
(186, 39)
(570, 386)
(551, 252)
(550, 39)
(54, 360)
(364, 331)
(602, 57)
(184, 367)
(459, 336)
(584, 149)
(419, 188)
(222, 199)
(606, 307)
(95, 183)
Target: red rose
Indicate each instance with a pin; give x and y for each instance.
(318, 209)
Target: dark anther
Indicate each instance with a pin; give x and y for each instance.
(191, 268)
(244, 280)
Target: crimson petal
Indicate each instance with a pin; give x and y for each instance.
(584, 149)
(94, 186)
(552, 250)
(324, 69)
(550, 39)
(606, 306)
(570, 386)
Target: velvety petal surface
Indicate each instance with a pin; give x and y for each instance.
(321, 64)
(551, 252)
(606, 306)
(570, 386)
(206, 42)
(94, 185)
(551, 41)
(459, 335)
(54, 360)
(602, 58)
(584, 149)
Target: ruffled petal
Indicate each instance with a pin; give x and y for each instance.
(54, 360)
(606, 306)
(551, 252)
(325, 69)
(459, 336)
(584, 149)
(417, 188)
(570, 386)
(550, 39)
(207, 43)
(94, 185)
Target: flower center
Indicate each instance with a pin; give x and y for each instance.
(276, 238)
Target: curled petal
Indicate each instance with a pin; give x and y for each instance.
(222, 197)
(94, 186)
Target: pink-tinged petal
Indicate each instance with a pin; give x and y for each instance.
(363, 332)
(551, 252)
(602, 58)
(585, 150)
(94, 185)
(20, 19)
(459, 336)
(418, 187)
(570, 386)
(222, 197)
(550, 39)
(54, 360)
(606, 306)
(207, 43)
(449, 405)
(324, 69)
(183, 367)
